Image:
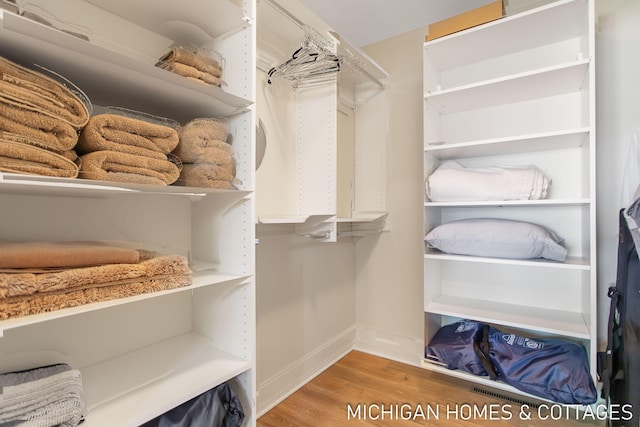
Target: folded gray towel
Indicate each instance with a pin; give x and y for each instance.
(42, 397)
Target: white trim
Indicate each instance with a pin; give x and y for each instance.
(389, 345)
(281, 385)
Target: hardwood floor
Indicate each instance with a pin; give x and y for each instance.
(365, 390)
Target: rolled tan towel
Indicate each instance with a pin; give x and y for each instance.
(36, 92)
(21, 255)
(194, 74)
(218, 152)
(206, 175)
(48, 132)
(18, 156)
(201, 139)
(113, 132)
(199, 61)
(201, 130)
(128, 168)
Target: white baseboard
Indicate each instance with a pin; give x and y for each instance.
(392, 346)
(280, 386)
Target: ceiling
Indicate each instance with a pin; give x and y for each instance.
(362, 22)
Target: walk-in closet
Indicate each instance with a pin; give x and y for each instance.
(265, 212)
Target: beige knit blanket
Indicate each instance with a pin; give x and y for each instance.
(128, 168)
(30, 293)
(20, 155)
(113, 132)
(36, 92)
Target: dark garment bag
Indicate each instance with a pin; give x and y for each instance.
(218, 407)
(620, 364)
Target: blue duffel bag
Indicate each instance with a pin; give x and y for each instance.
(553, 369)
(452, 346)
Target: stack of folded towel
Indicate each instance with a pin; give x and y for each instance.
(44, 396)
(195, 65)
(207, 159)
(38, 277)
(39, 121)
(453, 182)
(120, 148)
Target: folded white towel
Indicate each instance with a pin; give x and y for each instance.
(452, 182)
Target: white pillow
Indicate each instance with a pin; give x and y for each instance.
(499, 238)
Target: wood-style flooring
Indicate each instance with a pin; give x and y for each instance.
(365, 390)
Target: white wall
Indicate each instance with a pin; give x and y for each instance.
(305, 309)
(618, 113)
(389, 301)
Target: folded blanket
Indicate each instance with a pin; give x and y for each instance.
(129, 168)
(18, 255)
(113, 132)
(31, 293)
(19, 155)
(46, 396)
(46, 131)
(206, 175)
(453, 182)
(198, 61)
(33, 91)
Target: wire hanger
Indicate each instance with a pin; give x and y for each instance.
(310, 62)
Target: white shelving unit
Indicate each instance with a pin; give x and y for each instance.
(141, 356)
(325, 165)
(506, 93)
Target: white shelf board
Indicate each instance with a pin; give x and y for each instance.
(363, 217)
(112, 78)
(187, 21)
(487, 41)
(572, 263)
(548, 81)
(127, 390)
(200, 279)
(543, 141)
(281, 220)
(567, 323)
(500, 203)
(71, 187)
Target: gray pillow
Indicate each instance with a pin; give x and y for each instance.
(499, 238)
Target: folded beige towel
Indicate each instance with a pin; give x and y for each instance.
(17, 255)
(38, 293)
(199, 61)
(17, 284)
(206, 175)
(204, 140)
(48, 132)
(36, 92)
(129, 168)
(202, 151)
(194, 74)
(113, 132)
(18, 155)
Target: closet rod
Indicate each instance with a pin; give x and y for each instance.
(349, 59)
